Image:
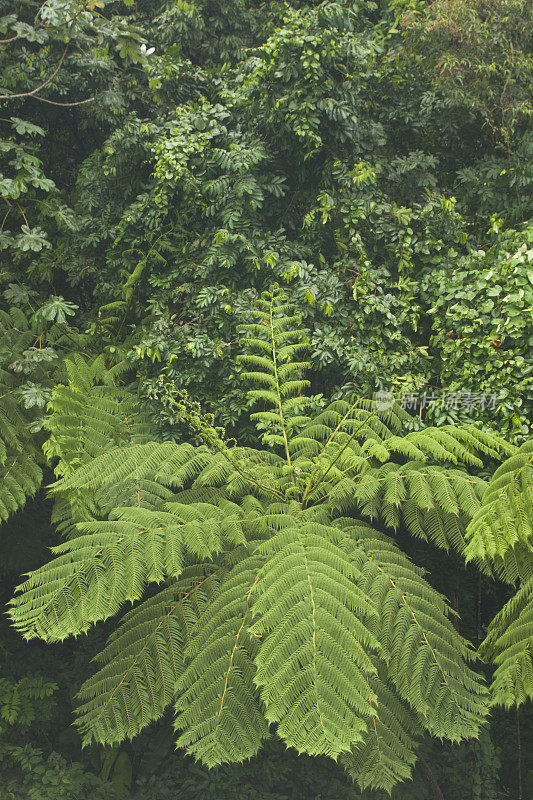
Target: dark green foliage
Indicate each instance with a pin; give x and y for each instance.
(487, 300)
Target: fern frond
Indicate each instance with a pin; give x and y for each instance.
(426, 658)
(445, 531)
(434, 503)
(218, 710)
(94, 574)
(453, 444)
(386, 756)
(20, 470)
(161, 462)
(316, 643)
(278, 338)
(20, 477)
(89, 416)
(509, 645)
(516, 565)
(141, 663)
(506, 514)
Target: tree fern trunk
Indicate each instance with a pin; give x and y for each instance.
(428, 777)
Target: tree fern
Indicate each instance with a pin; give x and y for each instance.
(280, 605)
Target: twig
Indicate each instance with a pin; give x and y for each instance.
(55, 103)
(38, 89)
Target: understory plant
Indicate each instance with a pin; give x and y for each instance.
(268, 590)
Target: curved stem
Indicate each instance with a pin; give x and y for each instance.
(278, 389)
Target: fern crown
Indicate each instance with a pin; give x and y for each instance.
(284, 604)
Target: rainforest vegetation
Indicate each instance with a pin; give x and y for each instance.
(266, 367)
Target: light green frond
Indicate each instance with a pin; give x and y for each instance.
(509, 644)
(516, 565)
(279, 340)
(142, 662)
(440, 446)
(307, 620)
(20, 477)
(315, 642)
(89, 416)
(386, 756)
(293, 387)
(506, 514)
(144, 493)
(427, 659)
(20, 470)
(446, 531)
(88, 583)
(159, 461)
(218, 710)
(455, 444)
(434, 503)
(94, 574)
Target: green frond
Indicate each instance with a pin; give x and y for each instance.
(459, 444)
(442, 446)
(341, 417)
(218, 710)
(509, 645)
(160, 461)
(89, 416)
(434, 503)
(271, 397)
(316, 643)
(144, 493)
(516, 565)
(445, 531)
(266, 380)
(482, 441)
(505, 517)
(278, 339)
(427, 659)
(94, 574)
(20, 477)
(294, 387)
(20, 469)
(141, 663)
(386, 756)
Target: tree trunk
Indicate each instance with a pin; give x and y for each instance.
(428, 777)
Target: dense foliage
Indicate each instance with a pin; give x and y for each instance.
(163, 164)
